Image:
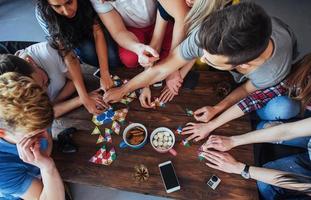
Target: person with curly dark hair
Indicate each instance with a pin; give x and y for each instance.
(73, 28)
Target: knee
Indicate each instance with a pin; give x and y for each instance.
(282, 107)
(129, 59)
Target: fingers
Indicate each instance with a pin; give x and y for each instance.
(191, 137)
(151, 51)
(200, 111)
(164, 92)
(212, 166)
(166, 96)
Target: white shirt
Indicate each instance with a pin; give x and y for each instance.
(135, 13)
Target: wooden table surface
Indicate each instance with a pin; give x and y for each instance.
(192, 173)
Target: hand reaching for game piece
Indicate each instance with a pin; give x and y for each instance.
(219, 143)
(145, 98)
(94, 106)
(113, 95)
(166, 95)
(198, 131)
(205, 114)
(174, 82)
(223, 162)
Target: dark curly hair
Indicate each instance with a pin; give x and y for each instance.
(65, 33)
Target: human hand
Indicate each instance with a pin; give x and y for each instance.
(205, 114)
(166, 95)
(114, 95)
(145, 98)
(219, 143)
(223, 162)
(106, 83)
(198, 131)
(146, 55)
(94, 106)
(28, 149)
(174, 82)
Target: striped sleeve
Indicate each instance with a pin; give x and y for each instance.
(41, 22)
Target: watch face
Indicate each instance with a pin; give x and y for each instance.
(245, 175)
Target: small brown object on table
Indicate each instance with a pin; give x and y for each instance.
(192, 173)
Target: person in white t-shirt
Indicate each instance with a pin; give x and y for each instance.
(42, 63)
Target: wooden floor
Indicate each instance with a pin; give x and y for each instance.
(192, 173)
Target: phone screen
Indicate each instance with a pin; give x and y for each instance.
(169, 176)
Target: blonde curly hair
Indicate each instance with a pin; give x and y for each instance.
(23, 104)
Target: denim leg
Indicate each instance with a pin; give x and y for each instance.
(294, 164)
(278, 108)
(87, 52)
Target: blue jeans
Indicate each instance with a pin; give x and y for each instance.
(282, 107)
(295, 164)
(87, 52)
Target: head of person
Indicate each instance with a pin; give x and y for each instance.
(69, 21)
(200, 10)
(299, 81)
(11, 63)
(234, 36)
(24, 107)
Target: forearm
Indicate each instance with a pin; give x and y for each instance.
(232, 113)
(101, 51)
(75, 72)
(67, 91)
(286, 131)
(185, 69)
(179, 33)
(238, 94)
(158, 33)
(66, 106)
(273, 177)
(53, 187)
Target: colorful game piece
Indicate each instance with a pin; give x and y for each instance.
(185, 143)
(116, 127)
(96, 131)
(132, 95)
(178, 130)
(189, 112)
(107, 137)
(100, 139)
(103, 157)
(158, 103)
(201, 157)
(97, 123)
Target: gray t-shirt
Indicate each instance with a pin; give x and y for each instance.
(48, 59)
(270, 73)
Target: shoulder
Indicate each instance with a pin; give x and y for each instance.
(15, 178)
(101, 7)
(176, 8)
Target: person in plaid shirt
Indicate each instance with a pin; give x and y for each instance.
(280, 102)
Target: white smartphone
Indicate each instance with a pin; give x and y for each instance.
(97, 73)
(169, 177)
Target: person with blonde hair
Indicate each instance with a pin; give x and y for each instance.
(27, 171)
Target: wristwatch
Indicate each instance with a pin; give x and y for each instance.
(245, 173)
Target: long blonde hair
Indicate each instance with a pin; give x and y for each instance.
(201, 10)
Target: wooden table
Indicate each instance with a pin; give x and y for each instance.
(192, 173)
